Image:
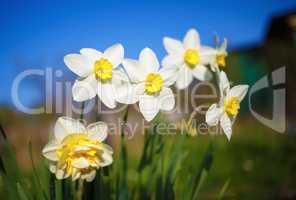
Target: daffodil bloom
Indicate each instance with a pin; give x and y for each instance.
(149, 84)
(190, 58)
(218, 61)
(226, 111)
(99, 73)
(76, 150)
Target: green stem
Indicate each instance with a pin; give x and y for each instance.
(79, 187)
(122, 187)
(80, 190)
(52, 187)
(82, 111)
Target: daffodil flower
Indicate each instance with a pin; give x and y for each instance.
(226, 111)
(149, 84)
(76, 150)
(218, 61)
(190, 58)
(98, 72)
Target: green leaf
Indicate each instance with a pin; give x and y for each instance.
(21, 192)
(201, 181)
(41, 192)
(223, 190)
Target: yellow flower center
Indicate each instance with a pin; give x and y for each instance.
(191, 57)
(231, 106)
(76, 146)
(153, 83)
(220, 59)
(103, 69)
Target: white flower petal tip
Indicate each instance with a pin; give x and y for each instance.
(173, 46)
(134, 70)
(79, 151)
(226, 125)
(85, 89)
(78, 64)
(98, 131)
(213, 115)
(107, 94)
(192, 39)
(224, 82)
(166, 99)
(184, 78)
(239, 91)
(66, 126)
(149, 60)
(149, 106)
(92, 54)
(202, 73)
(115, 54)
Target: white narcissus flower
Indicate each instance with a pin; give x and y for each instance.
(149, 85)
(190, 57)
(226, 111)
(219, 58)
(76, 150)
(99, 73)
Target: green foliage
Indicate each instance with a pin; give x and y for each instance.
(168, 167)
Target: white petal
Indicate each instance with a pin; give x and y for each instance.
(90, 176)
(174, 60)
(52, 168)
(92, 54)
(115, 54)
(107, 159)
(106, 92)
(119, 76)
(65, 126)
(49, 151)
(134, 70)
(60, 174)
(213, 115)
(226, 125)
(191, 39)
(224, 45)
(82, 148)
(184, 78)
(75, 174)
(80, 163)
(224, 83)
(107, 148)
(78, 64)
(97, 131)
(238, 91)
(128, 93)
(169, 75)
(148, 60)
(202, 73)
(85, 89)
(166, 99)
(173, 46)
(207, 55)
(149, 106)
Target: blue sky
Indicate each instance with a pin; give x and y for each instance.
(37, 34)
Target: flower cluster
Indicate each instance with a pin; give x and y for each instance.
(78, 151)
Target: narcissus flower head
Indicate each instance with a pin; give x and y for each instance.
(189, 57)
(218, 61)
(76, 150)
(99, 73)
(226, 111)
(149, 84)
